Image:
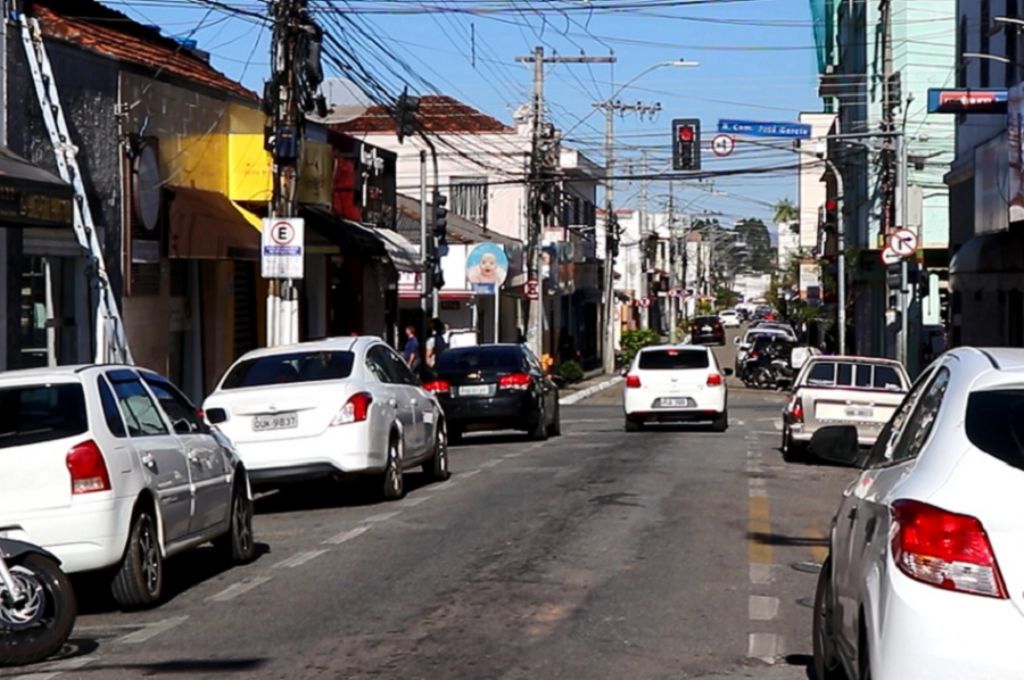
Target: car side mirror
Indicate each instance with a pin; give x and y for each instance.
(216, 416)
(736, 341)
(836, 444)
(183, 426)
(727, 372)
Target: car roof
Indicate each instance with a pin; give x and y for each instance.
(54, 373)
(339, 344)
(855, 359)
(1002, 358)
(688, 348)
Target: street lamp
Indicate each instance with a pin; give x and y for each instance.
(610, 106)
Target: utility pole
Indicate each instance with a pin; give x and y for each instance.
(541, 173)
(611, 222)
(645, 314)
(296, 74)
(673, 255)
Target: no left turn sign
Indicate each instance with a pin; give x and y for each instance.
(723, 145)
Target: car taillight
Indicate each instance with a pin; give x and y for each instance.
(632, 381)
(944, 549)
(355, 410)
(714, 379)
(88, 469)
(514, 381)
(754, 354)
(438, 386)
(796, 409)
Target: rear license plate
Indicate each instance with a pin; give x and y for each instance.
(705, 329)
(860, 412)
(474, 390)
(278, 421)
(674, 402)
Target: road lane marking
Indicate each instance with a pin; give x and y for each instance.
(236, 589)
(762, 574)
(299, 559)
(413, 502)
(762, 608)
(490, 463)
(467, 475)
(763, 646)
(383, 517)
(59, 667)
(818, 552)
(345, 536)
(758, 523)
(151, 630)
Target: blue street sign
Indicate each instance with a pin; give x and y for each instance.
(765, 129)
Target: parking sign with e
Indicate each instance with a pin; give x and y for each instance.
(282, 248)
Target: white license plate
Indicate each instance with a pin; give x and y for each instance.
(705, 328)
(278, 421)
(860, 412)
(675, 402)
(474, 390)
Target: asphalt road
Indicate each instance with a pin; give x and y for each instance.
(670, 553)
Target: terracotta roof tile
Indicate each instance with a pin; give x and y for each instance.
(437, 113)
(100, 29)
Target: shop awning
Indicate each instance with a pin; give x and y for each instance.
(325, 226)
(31, 196)
(207, 225)
(989, 261)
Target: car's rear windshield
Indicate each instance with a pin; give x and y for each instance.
(704, 319)
(669, 359)
(31, 414)
(843, 374)
(995, 424)
(481, 358)
(293, 367)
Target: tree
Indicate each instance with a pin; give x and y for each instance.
(726, 298)
(785, 212)
(754, 233)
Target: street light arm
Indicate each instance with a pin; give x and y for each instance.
(680, 63)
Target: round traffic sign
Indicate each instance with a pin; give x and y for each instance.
(903, 242)
(723, 145)
(282, 233)
(890, 256)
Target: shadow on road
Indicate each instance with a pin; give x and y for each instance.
(349, 492)
(779, 539)
(805, 661)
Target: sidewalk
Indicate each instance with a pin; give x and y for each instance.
(592, 383)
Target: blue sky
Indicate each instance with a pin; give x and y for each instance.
(757, 61)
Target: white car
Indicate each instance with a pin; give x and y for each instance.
(729, 318)
(674, 383)
(111, 466)
(334, 407)
(925, 577)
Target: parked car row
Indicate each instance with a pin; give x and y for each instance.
(112, 468)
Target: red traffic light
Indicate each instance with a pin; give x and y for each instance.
(830, 205)
(686, 133)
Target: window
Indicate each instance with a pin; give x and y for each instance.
(295, 367)
(377, 363)
(501, 358)
(995, 424)
(175, 404)
(31, 414)
(880, 450)
(844, 375)
(141, 414)
(887, 378)
(469, 198)
(822, 373)
(110, 412)
(388, 367)
(922, 419)
(673, 359)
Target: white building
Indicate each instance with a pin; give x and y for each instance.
(813, 192)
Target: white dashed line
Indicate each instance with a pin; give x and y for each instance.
(754, 492)
(236, 589)
(345, 536)
(413, 502)
(761, 574)
(467, 475)
(762, 608)
(763, 646)
(299, 559)
(490, 463)
(152, 630)
(383, 517)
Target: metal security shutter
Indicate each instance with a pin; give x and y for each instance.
(50, 242)
(245, 307)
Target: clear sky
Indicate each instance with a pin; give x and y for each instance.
(757, 62)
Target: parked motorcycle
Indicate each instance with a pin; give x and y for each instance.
(37, 604)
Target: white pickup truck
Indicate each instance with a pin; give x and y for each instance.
(842, 390)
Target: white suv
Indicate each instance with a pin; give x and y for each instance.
(925, 577)
(676, 383)
(111, 466)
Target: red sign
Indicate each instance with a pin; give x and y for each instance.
(532, 290)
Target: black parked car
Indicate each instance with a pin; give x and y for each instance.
(707, 330)
(495, 387)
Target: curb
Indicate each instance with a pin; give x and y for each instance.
(589, 392)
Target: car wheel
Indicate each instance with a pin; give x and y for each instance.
(237, 545)
(555, 428)
(455, 435)
(139, 580)
(540, 428)
(721, 422)
(393, 487)
(826, 659)
(633, 424)
(437, 467)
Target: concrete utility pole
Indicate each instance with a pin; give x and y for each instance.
(645, 313)
(673, 256)
(540, 172)
(611, 221)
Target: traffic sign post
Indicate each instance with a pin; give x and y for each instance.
(282, 251)
(723, 145)
(903, 242)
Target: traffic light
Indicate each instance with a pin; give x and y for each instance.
(440, 215)
(405, 110)
(686, 144)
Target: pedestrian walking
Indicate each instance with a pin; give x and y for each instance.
(436, 343)
(411, 350)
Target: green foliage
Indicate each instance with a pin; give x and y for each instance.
(704, 307)
(760, 254)
(785, 212)
(726, 297)
(570, 371)
(635, 340)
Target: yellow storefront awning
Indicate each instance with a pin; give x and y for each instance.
(207, 225)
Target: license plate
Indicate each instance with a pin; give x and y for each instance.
(278, 421)
(860, 412)
(474, 390)
(674, 402)
(705, 328)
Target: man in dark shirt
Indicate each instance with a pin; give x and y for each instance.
(411, 351)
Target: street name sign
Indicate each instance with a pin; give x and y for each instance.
(764, 129)
(282, 248)
(723, 144)
(967, 101)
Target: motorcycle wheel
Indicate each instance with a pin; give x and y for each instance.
(41, 626)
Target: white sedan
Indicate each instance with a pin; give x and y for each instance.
(676, 383)
(925, 578)
(729, 318)
(334, 407)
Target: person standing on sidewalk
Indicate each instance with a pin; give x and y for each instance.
(411, 350)
(436, 343)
